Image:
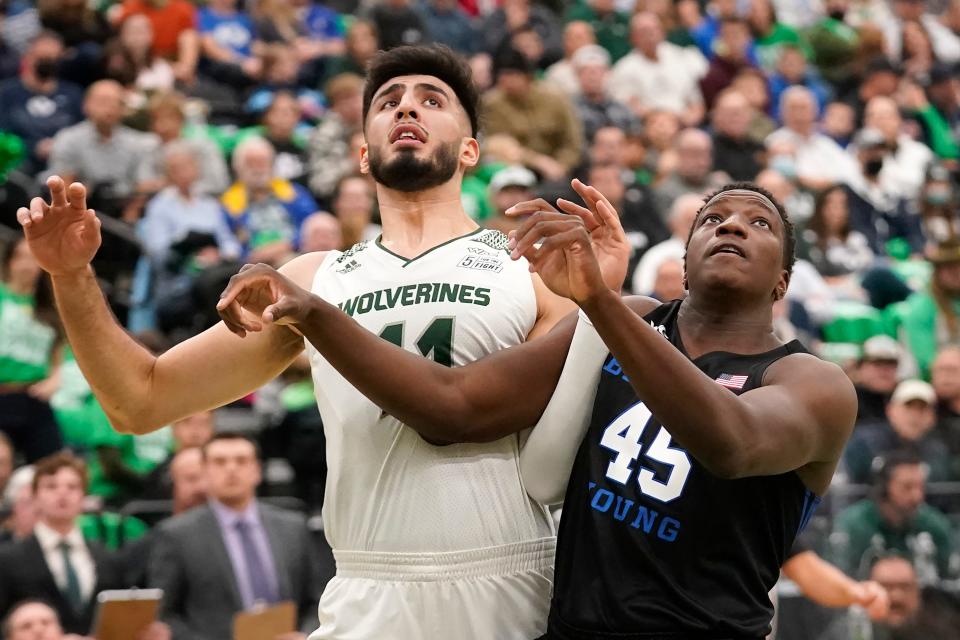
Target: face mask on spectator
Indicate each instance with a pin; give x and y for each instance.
(937, 196)
(46, 68)
(785, 166)
(873, 167)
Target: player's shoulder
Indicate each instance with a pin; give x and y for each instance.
(303, 268)
(641, 305)
(808, 374)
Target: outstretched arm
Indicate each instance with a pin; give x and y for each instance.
(801, 416)
(138, 391)
(495, 396)
(829, 587)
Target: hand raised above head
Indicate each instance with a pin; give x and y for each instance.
(63, 235)
(606, 241)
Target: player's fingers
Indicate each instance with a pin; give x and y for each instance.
(558, 242)
(231, 315)
(540, 226)
(572, 208)
(23, 217)
(58, 191)
(249, 276)
(536, 218)
(611, 219)
(280, 309)
(528, 207)
(38, 209)
(77, 196)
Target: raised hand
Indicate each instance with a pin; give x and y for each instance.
(607, 238)
(63, 235)
(259, 295)
(558, 247)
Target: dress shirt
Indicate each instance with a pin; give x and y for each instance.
(80, 558)
(227, 519)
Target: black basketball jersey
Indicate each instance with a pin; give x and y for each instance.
(651, 545)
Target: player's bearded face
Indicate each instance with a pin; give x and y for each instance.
(407, 171)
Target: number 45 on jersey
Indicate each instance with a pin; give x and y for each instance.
(622, 436)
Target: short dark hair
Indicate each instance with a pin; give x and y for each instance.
(230, 434)
(432, 60)
(52, 464)
(789, 238)
(884, 466)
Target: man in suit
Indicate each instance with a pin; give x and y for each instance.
(55, 563)
(224, 557)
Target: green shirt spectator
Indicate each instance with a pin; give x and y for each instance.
(611, 27)
(111, 530)
(897, 519)
(834, 45)
(26, 343)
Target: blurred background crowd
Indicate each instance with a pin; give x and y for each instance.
(216, 133)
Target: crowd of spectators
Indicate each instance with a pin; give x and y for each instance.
(215, 133)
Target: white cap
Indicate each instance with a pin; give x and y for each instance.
(590, 54)
(881, 348)
(910, 390)
(512, 176)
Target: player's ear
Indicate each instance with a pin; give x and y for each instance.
(364, 158)
(469, 152)
(781, 289)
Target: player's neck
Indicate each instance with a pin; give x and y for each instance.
(415, 222)
(708, 324)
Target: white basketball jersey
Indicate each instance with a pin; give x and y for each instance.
(388, 489)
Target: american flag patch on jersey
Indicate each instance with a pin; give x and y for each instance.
(732, 382)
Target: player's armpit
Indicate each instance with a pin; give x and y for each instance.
(799, 420)
(551, 308)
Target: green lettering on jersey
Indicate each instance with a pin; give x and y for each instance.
(415, 294)
(436, 341)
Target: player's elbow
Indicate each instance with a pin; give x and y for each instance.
(131, 423)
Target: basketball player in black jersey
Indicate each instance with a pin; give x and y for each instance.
(709, 441)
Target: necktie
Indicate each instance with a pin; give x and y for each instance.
(71, 590)
(256, 572)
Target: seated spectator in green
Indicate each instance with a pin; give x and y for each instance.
(770, 35)
(29, 337)
(930, 319)
(120, 462)
(897, 519)
(611, 27)
(910, 417)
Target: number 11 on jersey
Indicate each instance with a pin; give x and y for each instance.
(622, 436)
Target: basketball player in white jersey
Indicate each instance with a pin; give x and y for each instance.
(430, 541)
